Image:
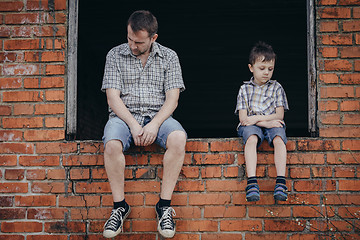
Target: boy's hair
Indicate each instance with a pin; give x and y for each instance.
(143, 20)
(261, 50)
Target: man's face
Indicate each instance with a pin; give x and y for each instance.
(262, 71)
(140, 42)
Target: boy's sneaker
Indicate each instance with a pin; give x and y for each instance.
(280, 192)
(166, 224)
(114, 225)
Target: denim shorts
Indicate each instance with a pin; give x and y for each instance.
(263, 133)
(117, 129)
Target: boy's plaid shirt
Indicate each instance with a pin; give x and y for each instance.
(142, 89)
(261, 100)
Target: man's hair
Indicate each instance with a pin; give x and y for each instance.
(261, 50)
(143, 20)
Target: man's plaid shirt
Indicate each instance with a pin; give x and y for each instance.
(261, 100)
(142, 89)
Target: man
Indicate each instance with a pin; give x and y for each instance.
(142, 80)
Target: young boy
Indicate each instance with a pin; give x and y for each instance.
(260, 104)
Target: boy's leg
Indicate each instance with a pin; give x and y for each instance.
(251, 155)
(172, 137)
(116, 134)
(280, 156)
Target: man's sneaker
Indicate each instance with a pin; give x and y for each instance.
(166, 224)
(114, 225)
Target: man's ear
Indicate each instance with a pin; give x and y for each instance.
(250, 67)
(153, 38)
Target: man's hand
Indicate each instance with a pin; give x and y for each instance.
(137, 133)
(149, 135)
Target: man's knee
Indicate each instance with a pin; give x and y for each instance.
(113, 147)
(176, 140)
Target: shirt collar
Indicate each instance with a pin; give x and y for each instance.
(154, 50)
(253, 83)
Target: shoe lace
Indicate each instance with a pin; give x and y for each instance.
(115, 217)
(166, 219)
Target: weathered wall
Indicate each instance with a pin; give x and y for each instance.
(55, 189)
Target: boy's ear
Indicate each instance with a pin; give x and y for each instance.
(250, 67)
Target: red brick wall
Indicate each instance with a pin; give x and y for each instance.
(55, 189)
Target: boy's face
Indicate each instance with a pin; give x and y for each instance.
(262, 71)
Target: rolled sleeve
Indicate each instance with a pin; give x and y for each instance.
(112, 73)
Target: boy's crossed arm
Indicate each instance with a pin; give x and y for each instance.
(268, 121)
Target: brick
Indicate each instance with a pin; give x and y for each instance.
(214, 158)
(11, 237)
(349, 185)
(26, 148)
(56, 147)
(55, 95)
(54, 122)
(35, 174)
(351, 119)
(348, 105)
(6, 201)
(224, 211)
(46, 213)
(348, 212)
(44, 135)
(197, 146)
(310, 186)
(342, 199)
(337, 65)
(64, 227)
(350, 52)
(8, 160)
(344, 172)
(22, 44)
(11, 6)
(231, 172)
(10, 83)
(19, 187)
(284, 225)
(55, 70)
(332, 26)
(328, 105)
(340, 132)
(79, 173)
(42, 109)
(318, 145)
(269, 212)
(15, 227)
(5, 110)
(31, 82)
(299, 172)
(210, 199)
(23, 109)
(5, 32)
(226, 146)
(45, 5)
(222, 236)
(56, 174)
(329, 78)
(14, 174)
(356, 12)
(353, 78)
(335, 12)
(327, 2)
(36, 122)
(342, 158)
(211, 172)
(351, 26)
(102, 187)
(337, 92)
(348, 2)
(22, 18)
(83, 160)
(22, 96)
(35, 201)
(39, 160)
(329, 52)
(47, 237)
(52, 82)
(22, 31)
(189, 186)
(98, 173)
(144, 225)
(51, 31)
(196, 226)
(241, 225)
(7, 57)
(12, 213)
(351, 144)
(10, 135)
(55, 44)
(79, 201)
(330, 118)
(321, 172)
(308, 211)
(51, 187)
(225, 185)
(306, 158)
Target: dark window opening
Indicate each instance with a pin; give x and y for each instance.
(212, 40)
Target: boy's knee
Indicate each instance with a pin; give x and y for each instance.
(278, 141)
(176, 140)
(113, 147)
(253, 139)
